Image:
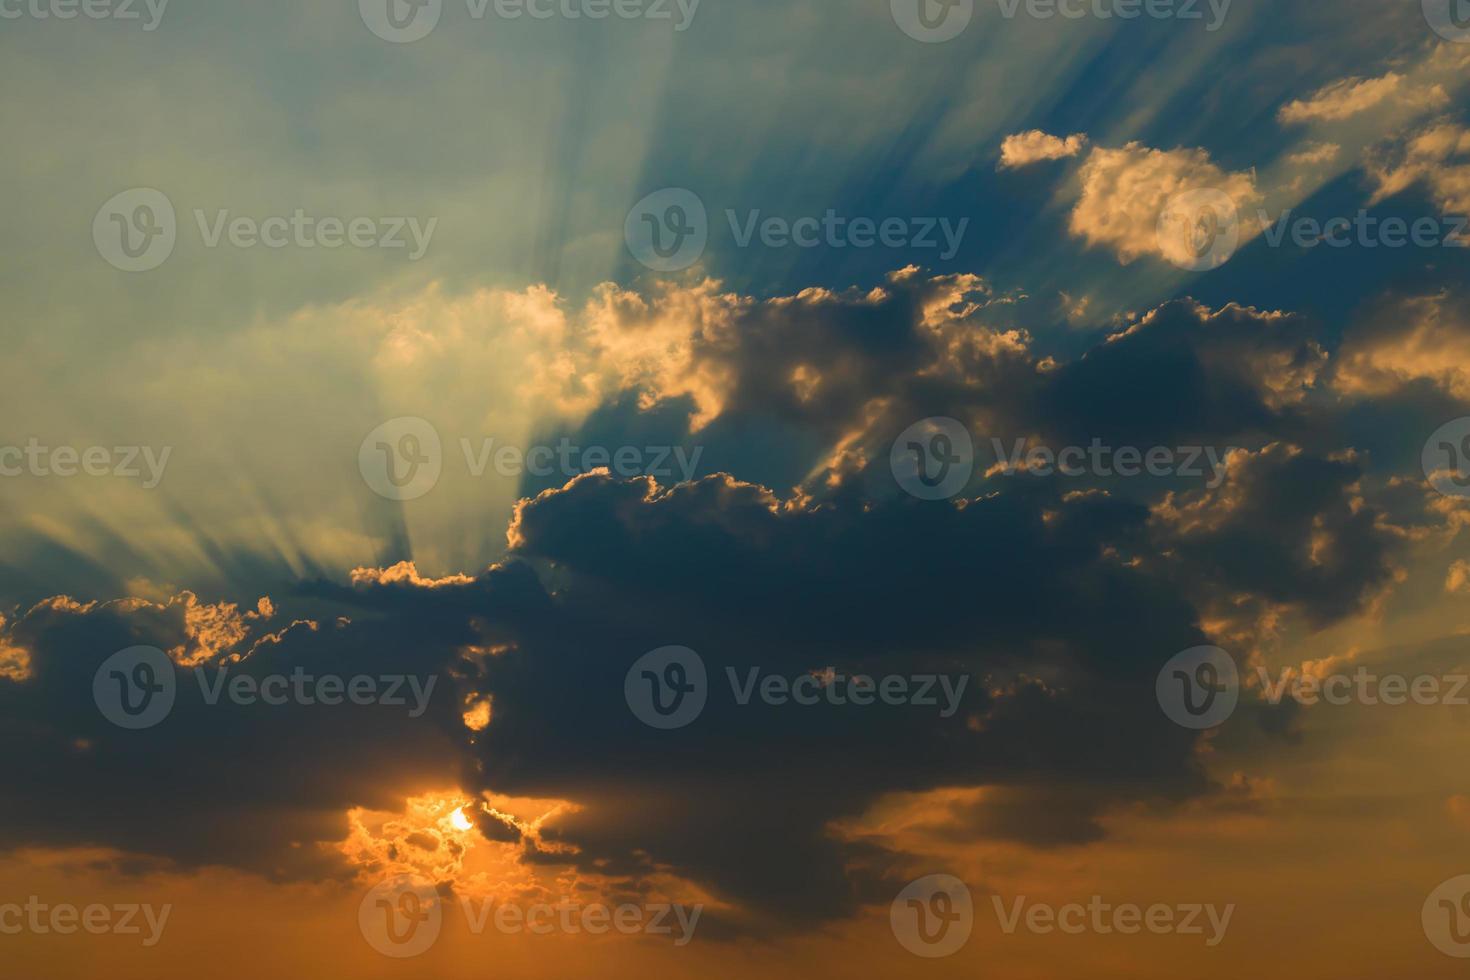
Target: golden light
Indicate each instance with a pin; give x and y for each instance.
(459, 821)
(477, 718)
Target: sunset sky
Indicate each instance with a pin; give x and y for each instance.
(747, 488)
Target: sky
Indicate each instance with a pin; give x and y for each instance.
(935, 487)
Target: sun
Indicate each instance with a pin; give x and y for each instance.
(459, 821)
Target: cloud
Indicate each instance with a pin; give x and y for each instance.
(15, 660)
(1033, 146)
(248, 787)
(658, 343)
(1287, 526)
(1126, 190)
(1196, 375)
(1315, 153)
(1438, 157)
(1408, 340)
(1352, 96)
(698, 559)
(1055, 600)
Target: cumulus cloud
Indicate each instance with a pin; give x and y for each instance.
(1287, 526)
(1125, 191)
(1034, 146)
(697, 559)
(1055, 600)
(231, 764)
(662, 344)
(1196, 375)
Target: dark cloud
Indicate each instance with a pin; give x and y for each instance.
(1054, 600)
(742, 798)
(1289, 527)
(250, 786)
(1188, 374)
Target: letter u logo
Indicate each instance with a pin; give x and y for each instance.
(1459, 918)
(146, 683)
(941, 908)
(1206, 678)
(676, 680)
(411, 451)
(941, 450)
(1455, 459)
(929, 19)
(145, 223)
(1204, 232)
(676, 220)
(409, 909)
(396, 19)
